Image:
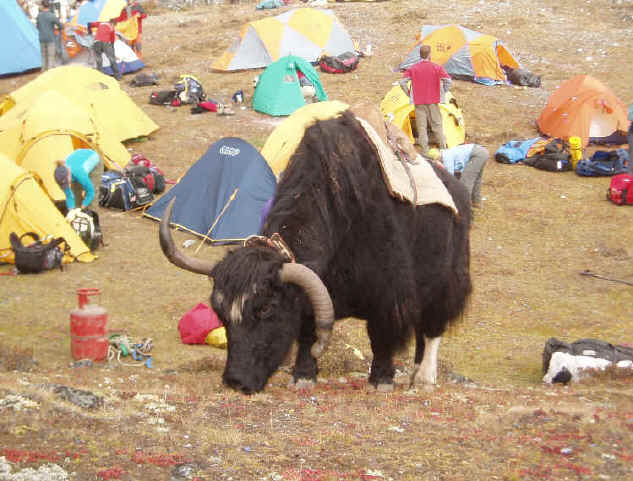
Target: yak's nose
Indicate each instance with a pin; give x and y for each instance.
(237, 384)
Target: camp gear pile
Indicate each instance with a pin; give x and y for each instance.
(553, 156)
(118, 191)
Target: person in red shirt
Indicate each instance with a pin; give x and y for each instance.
(104, 44)
(426, 78)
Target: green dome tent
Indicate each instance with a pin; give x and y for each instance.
(278, 91)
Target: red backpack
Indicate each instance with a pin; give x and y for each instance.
(620, 190)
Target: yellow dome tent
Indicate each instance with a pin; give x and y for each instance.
(303, 32)
(395, 106)
(284, 140)
(64, 109)
(25, 207)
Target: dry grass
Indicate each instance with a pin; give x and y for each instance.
(536, 233)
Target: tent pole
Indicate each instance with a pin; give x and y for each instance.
(226, 206)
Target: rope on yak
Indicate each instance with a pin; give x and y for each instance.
(275, 242)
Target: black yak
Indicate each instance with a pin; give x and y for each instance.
(358, 252)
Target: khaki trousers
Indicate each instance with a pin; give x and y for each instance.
(429, 118)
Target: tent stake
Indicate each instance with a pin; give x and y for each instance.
(226, 206)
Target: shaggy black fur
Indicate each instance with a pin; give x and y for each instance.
(404, 269)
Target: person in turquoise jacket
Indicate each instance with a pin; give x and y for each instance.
(79, 176)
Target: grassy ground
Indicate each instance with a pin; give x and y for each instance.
(536, 233)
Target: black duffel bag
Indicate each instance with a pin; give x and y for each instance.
(37, 256)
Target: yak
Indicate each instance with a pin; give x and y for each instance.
(336, 244)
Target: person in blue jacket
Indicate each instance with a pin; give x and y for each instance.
(466, 161)
(79, 176)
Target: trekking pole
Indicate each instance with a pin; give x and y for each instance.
(588, 273)
(226, 206)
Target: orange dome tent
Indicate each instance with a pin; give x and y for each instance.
(584, 107)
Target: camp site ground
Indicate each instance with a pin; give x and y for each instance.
(491, 417)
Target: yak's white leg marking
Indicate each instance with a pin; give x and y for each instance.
(426, 372)
(307, 384)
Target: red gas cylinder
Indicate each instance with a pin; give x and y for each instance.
(88, 333)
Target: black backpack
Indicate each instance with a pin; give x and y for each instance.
(122, 192)
(37, 256)
(555, 157)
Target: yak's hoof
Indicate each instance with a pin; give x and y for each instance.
(384, 387)
(301, 384)
(428, 387)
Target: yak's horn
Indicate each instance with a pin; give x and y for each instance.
(172, 252)
(322, 306)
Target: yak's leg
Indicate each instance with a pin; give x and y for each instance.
(382, 370)
(305, 370)
(425, 367)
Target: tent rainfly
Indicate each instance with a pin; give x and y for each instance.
(222, 195)
(304, 32)
(278, 91)
(464, 53)
(584, 107)
(19, 38)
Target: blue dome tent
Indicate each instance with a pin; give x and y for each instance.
(19, 38)
(222, 195)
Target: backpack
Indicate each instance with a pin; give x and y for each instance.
(144, 79)
(519, 76)
(554, 157)
(163, 97)
(37, 256)
(189, 89)
(143, 168)
(120, 192)
(343, 63)
(86, 224)
(620, 190)
(603, 163)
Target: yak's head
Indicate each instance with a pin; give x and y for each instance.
(262, 300)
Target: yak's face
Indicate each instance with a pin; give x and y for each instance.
(260, 313)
